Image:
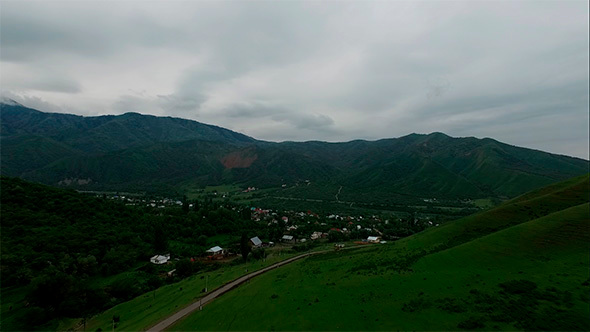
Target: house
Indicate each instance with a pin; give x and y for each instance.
(338, 246)
(316, 235)
(287, 238)
(216, 252)
(255, 241)
(373, 239)
(160, 259)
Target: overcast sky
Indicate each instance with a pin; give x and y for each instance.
(335, 71)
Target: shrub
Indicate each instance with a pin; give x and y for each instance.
(450, 305)
(34, 316)
(416, 305)
(518, 286)
(471, 323)
(258, 253)
(184, 268)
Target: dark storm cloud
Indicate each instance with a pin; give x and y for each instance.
(514, 71)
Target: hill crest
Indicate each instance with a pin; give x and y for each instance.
(135, 151)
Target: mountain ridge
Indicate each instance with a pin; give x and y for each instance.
(136, 151)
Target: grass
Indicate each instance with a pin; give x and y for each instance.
(453, 277)
(483, 203)
(446, 278)
(150, 308)
(193, 191)
(12, 304)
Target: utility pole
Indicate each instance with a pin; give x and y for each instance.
(206, 282)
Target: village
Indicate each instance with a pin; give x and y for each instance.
(283, 232)
(245, 232)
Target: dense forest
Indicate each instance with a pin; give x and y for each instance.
(60, 242)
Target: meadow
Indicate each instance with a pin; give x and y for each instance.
(148, 309)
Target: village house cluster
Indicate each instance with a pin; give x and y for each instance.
(303, 226)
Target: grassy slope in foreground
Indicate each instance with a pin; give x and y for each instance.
(455, 285)
(150, 308)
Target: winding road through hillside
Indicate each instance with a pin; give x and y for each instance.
(166, 323)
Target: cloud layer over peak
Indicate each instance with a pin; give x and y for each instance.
(514, 71)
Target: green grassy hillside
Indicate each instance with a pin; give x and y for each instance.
(522, 265)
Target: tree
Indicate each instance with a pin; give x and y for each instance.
(184, 268)
(258, 253)
(202, 240)
(244, 246)
(160, 240)
(185, 204)
(51, 289)
(335, 236)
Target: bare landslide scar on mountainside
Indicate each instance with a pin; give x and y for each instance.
(239, 159)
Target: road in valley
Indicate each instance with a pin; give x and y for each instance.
(166, 323)
(339, 190)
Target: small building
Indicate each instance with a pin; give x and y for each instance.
(255, 241)
(216, 251)
(160, 259)
(316, 235)
(338, 246)
(373, 239)
(287, 238)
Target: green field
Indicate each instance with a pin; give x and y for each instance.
(522, 265)
(150, 308)
(146, 310)
(483, 203)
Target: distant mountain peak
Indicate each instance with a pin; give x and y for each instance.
(438, 134)
(10, 102)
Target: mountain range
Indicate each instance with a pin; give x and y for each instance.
(148, 153)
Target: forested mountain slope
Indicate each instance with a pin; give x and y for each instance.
(141, 152)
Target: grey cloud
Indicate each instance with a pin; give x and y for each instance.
(47, 80)
(177, 104)
(36, 30)
(255, 109)
(304, 120)
(32, 102)
(314, 70)
(57, 85)
(259, 111)
(130, 103)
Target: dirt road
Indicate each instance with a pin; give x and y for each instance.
(166, 323)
